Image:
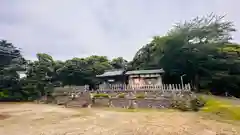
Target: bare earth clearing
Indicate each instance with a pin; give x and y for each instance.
(38, 119)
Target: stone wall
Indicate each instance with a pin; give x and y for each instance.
(101, 102)
(154, 103)
(152, 99)
(60, 100)
(119, 102)
(78, 102)
(139, 103)
(82, 99)
(71, 99)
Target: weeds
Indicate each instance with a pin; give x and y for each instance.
(222, 108)
(122, 95)
(101, 95)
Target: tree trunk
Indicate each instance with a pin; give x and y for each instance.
(196, 82)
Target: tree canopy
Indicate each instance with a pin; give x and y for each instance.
(201, 49)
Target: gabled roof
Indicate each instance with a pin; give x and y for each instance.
(134, 72)
(111, 73)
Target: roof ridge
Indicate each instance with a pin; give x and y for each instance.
(114, 70)
(146, 69)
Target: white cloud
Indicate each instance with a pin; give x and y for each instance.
(79, 28)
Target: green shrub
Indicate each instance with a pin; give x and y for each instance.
(188, 104)
(197, 103)
(101, 95)
(140, 96)
(4, 94)
(122, 95)
(181, 104)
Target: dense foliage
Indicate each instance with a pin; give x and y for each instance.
(200, 49)
(11, 61)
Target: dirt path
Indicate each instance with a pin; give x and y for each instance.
(33, 119)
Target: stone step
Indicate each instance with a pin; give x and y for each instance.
(76, 103)
(61, 102)
(74, 106)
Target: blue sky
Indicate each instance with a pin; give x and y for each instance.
(79, 28)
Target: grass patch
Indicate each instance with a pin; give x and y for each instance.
(100, 95)
(140, 96)
(221, 108)
(122, 95)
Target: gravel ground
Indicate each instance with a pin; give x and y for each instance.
(39, 119)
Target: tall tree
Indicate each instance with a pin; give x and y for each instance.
(197, 40)
(81, 71)
(195, 48)
(40, 74)
(119, 63)
(11, 61)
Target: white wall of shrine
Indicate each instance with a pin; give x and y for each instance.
(148, 79)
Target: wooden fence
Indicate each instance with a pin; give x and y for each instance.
(164, 87)
(121, 87)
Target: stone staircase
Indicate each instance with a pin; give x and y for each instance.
(73, 99)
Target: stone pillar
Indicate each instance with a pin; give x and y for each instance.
(110, 103)
(132, 104)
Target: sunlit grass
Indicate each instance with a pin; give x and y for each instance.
(221, 107)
